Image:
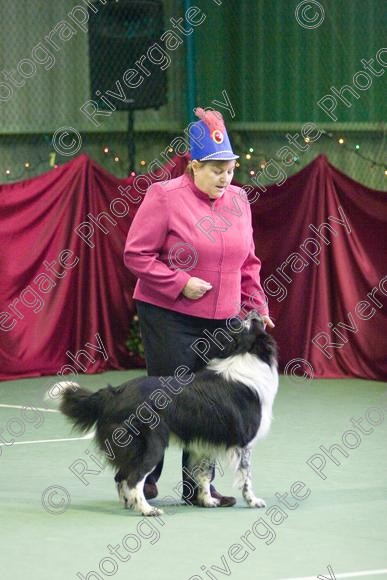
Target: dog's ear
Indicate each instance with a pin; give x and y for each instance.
(257, 325)
(264, 344)
(222, 344)
(243, 335)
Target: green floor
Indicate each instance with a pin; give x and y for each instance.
(337, 531)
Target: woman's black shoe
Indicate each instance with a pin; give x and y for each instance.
(224, 500)
(150, 490)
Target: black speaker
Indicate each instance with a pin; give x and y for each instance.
(128, 61)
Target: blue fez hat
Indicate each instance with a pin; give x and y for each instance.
(208, 138)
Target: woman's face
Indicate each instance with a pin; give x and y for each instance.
(212, 177)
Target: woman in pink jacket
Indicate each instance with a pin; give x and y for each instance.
(191, 247)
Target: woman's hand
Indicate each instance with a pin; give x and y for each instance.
(196, 288)
(267, 321)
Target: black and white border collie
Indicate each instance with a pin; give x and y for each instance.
(225, 407)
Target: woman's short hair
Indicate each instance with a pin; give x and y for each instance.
(189, 169)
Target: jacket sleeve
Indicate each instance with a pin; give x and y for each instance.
(145, 240)
(252, 293)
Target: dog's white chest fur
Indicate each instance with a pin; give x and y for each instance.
(256, 375)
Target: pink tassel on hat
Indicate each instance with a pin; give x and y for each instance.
(213, 119)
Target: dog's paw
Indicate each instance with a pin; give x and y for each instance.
(122, 497)
(212, 502)
(256, 502)
(153, 512)
(124, 502)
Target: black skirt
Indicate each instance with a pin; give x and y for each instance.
(167, 337)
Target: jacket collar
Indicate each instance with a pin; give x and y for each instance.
(198, 192)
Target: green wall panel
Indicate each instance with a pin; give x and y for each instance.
(277, 70)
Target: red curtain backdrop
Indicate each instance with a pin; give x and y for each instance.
(65, 295)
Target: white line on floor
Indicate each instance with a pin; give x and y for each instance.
(29, 407)
(344, 575)
(88, 436)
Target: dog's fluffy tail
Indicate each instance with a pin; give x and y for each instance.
(80, 405)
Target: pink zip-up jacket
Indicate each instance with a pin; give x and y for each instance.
(179, 232)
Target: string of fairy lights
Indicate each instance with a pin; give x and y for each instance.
(250, 161)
